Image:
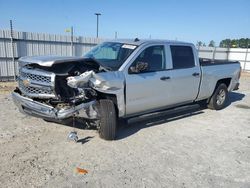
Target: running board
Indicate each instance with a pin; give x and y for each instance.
(164, 113)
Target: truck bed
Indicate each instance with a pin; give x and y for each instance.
(214, 70)
(210, 62)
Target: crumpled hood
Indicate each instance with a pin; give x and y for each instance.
(47, 61)
(104, 81)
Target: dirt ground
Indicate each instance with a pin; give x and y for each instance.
(204, 148)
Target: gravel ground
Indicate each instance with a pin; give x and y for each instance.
(201, 149)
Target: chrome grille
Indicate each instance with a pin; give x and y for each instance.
(38, 78)
(36, 83)
(33, 90)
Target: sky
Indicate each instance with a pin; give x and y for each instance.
(184, 20)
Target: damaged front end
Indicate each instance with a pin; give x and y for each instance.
(59, 88)
(106, 84)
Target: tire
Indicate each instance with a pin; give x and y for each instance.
(219, 98)
(108, 120)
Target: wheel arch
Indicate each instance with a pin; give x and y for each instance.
(111, 97)
(226, 81)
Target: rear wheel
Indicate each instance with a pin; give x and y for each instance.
(108, 120)
(219, 98)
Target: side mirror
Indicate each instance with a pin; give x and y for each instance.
(139, 67)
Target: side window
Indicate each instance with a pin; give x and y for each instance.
(182, 57)
(154, 56)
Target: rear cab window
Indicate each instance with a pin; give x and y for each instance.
(182, 56)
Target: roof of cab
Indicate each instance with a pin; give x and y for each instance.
(139, 42)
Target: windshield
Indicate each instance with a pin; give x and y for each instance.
(111, 54)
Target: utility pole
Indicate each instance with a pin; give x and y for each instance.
(97, 23)
(12, 48)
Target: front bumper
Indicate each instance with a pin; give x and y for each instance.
(38, 109)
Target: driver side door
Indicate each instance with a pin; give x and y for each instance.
(146, 90)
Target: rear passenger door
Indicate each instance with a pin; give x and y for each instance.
(185, 74)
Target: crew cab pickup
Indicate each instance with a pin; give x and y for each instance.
(122, 79)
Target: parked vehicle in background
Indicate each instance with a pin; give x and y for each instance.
(123, 79)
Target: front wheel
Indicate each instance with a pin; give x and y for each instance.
(108, 119)
(219, 98)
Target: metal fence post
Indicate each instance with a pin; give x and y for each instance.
(214, 52)
(5, 51)
(198, 50)
(12, 48)
(228, 53)
(72, 38)
(244, 67)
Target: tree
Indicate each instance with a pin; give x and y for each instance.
(243, 43)
(211, 43)
(199, 43)
(248, 42)
(226, 43)
(235, 43)
(222, 44)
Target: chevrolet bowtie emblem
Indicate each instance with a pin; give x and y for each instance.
(26, 82)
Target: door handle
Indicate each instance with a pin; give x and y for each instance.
(196, 74)
(165, 78)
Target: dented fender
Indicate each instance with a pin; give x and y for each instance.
(103, 82)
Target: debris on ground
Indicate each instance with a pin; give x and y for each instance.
(73, 136)
(81, 170)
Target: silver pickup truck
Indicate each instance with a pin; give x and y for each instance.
(122, 79)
